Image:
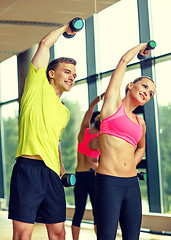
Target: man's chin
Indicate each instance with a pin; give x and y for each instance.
(68, 89)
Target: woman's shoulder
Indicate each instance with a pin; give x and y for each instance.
(141, 120)
(109, 110)
(142, 123)
(81, 133)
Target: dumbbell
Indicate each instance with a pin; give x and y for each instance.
(68, 180)
(141, 176)
(75, 25)
(150, 46)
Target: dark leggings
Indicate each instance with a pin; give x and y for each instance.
(85, 184)
(118, 200)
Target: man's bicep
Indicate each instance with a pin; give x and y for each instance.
(41, 57)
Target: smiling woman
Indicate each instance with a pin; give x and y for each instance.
(137, 80)
(122, 144)
(145, 87)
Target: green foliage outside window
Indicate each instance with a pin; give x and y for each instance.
(11, 142)
(69, 143)
(69, 147)
(165, 146)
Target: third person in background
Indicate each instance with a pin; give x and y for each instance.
(88, 153)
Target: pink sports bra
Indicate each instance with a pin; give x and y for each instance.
(83, 146)
(121, 126)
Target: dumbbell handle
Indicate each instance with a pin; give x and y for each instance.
(68, 180)
(150, 46)
(75, 25)
(141, 176)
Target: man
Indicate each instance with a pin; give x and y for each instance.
(37, 194)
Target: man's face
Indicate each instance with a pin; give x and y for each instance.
(64, 77)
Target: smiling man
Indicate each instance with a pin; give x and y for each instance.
(37, 194)
(61, 74)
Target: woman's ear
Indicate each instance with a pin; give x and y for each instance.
(130, 85)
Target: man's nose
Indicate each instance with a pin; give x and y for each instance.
(71, 77)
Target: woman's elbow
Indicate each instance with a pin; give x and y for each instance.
(124, 60)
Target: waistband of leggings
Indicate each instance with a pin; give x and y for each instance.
(120, 181)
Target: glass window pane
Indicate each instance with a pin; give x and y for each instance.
(163, 86)
(118, 32)
(75, 48)
(163, 83)
(78, 94)
(144, 193)
(160, 18)
(10, 137)
(8, 79)
(129, 77)
(77, 102)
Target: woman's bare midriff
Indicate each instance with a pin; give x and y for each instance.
(85, 163)
(117, 157)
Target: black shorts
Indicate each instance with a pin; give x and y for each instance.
(36, 193)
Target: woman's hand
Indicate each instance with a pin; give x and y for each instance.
(143, 51)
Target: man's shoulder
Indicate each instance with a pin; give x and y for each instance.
(33, 69)
(35, 76)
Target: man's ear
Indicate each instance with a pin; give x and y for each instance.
(51, 73)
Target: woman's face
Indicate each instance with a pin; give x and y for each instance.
(142, 90)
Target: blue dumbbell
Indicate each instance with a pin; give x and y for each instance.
(68, 180)
(76, 25)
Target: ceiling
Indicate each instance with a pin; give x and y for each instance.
(24, 22)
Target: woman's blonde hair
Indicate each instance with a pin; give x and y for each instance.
(137, 80)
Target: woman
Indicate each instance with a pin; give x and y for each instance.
(88, 153)
(122, 145)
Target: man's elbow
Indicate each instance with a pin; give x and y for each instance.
(43, 43)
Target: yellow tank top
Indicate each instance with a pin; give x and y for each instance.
(42, 119)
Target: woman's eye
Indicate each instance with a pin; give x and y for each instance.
(144, 86)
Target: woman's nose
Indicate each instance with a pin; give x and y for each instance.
(145, 92)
